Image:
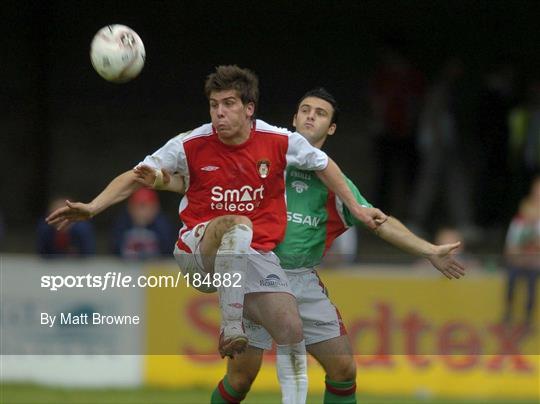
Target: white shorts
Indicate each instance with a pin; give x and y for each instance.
(264, 274)
(321, 320)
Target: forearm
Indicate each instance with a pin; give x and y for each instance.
(118, 189)
(175, 184)
(334, 180)
(395, 233)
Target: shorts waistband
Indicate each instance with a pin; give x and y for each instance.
(299, 271)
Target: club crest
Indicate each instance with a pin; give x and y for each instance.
(263, 166)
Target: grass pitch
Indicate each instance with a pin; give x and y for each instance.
(32, 394)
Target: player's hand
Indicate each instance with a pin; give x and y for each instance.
(146, 176)
(72, 212)
(371, 217)
(443, 260)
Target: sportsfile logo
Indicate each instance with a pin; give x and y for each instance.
(272, 280)
(245, 199)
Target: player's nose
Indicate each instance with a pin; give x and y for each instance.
(220, 110)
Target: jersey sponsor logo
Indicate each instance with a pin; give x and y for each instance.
(299, 186)
(210, 168)
(272, 280)
(300, 174)
(245, 199)
(299, 218)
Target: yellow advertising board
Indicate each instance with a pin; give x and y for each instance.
(412, 335)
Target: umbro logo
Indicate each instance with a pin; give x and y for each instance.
(210, 168)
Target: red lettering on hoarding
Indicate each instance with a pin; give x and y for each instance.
(509, 337)
(195, 314)
(413, 326)
(459, 344)
(381, 326)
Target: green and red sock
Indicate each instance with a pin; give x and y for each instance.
(225, 394)
(340, 392)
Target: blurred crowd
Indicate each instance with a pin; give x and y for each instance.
(445, 156)
(140, 232)
(449, 157)
(452, 163)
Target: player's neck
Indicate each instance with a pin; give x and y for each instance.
(319, 144)
(239, 137)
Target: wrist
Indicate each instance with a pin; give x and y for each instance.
(357, 208)
(430, 251)
(93, 209)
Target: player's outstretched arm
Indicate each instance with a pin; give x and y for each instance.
(440, 256)
(159, 180)
(117, 190)
(334, 179)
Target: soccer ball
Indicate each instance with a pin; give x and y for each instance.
(117, 53)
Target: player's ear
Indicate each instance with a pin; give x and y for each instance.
(332, 129)
(294, 121)
(250, 109)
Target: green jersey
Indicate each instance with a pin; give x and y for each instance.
(315, 217)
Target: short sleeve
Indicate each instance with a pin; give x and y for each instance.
(171, 157)
(302, 155)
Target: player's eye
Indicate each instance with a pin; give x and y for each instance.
(321, 113)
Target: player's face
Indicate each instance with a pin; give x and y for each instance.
(230, 117)
(313, 120)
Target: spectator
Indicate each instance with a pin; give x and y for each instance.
(522, 252)
(142, 231)
(397, 91)
(442, 171)
(77, 239)
(524, 123)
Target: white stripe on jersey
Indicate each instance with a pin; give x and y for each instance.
(203, 130)
(300, 153)
(170, 157)
(339, 208)
(264, 127)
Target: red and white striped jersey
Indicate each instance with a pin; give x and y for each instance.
(246, 179)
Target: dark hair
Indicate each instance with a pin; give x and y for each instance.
(321, 93)
(232, 77)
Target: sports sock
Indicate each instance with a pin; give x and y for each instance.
(231, 258)
(340, 392)
(291, 365)
(225, 394)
